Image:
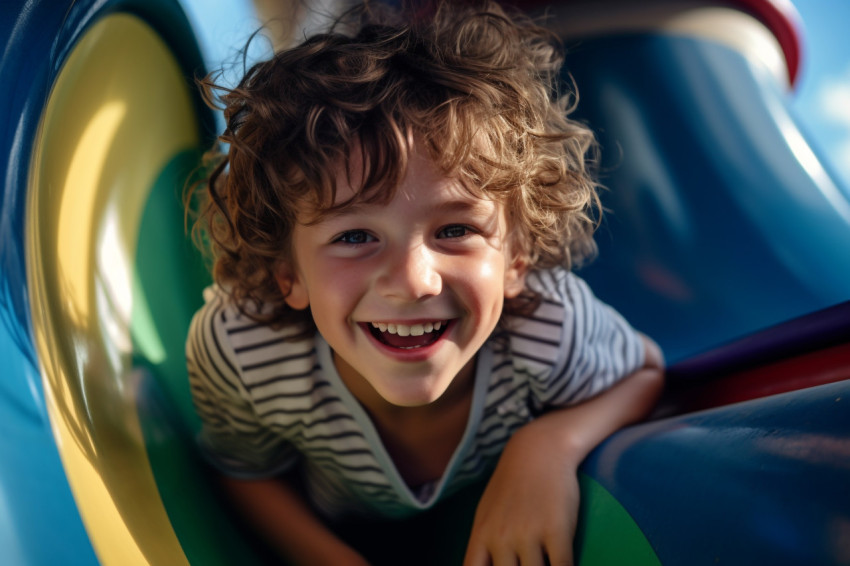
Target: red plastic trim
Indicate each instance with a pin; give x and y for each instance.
(779, 16)
(828, 365)
(782, 19)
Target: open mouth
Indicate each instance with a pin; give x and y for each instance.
(408, 337)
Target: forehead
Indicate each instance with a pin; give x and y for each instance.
(420, 181)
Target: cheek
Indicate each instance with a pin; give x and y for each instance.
(487, 271)
(335, 288)
(484, 284)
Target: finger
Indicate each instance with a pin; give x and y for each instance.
(504, 556)
(476, 554)
(559, 550)
(532, 555)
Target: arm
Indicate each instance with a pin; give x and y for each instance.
(279, 514)
(530, 506)
(231, 431)
(579, 429)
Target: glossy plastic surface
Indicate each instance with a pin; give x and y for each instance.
(762, 482)
(710, 160)
(35, 496)
(40, 522)
(723, 221)
(106, 133)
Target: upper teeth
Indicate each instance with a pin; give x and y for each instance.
(408, 330)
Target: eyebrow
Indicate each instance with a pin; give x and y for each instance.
(475, 205)
(471, 205)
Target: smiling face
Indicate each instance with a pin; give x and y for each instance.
(405, 292)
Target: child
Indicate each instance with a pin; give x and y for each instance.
(394, 316)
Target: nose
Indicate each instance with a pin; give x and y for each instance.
(410, 274)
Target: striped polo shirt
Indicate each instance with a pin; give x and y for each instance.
(268, 403)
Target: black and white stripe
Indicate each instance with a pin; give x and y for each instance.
(266, 401)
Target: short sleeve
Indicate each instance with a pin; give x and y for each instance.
(232, 436)
(596, 346)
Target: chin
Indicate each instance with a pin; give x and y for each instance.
(412, 397)
(410, 401)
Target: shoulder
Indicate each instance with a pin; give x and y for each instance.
(227, 336)
(572, 336)
(566, 299)
(535, 342)
(559, 288)
(562, 295)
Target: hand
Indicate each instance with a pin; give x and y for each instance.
(342, 557)
(529, 509)
(293, 530)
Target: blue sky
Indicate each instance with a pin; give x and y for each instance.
(821, 99)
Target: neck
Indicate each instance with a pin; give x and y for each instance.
(458, 394)
(420, 440)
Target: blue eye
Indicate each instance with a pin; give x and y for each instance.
(454, 231)
(354, 237)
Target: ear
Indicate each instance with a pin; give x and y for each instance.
(515, 277)
(293, 288)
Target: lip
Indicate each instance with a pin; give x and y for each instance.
(409, 322)
(414, 354)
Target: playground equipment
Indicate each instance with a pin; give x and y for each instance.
(726, 241)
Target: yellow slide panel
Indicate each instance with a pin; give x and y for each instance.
(120, 109)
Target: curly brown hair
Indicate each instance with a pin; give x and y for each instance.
(477, 85)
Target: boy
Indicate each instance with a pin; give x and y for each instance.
(394, 316)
